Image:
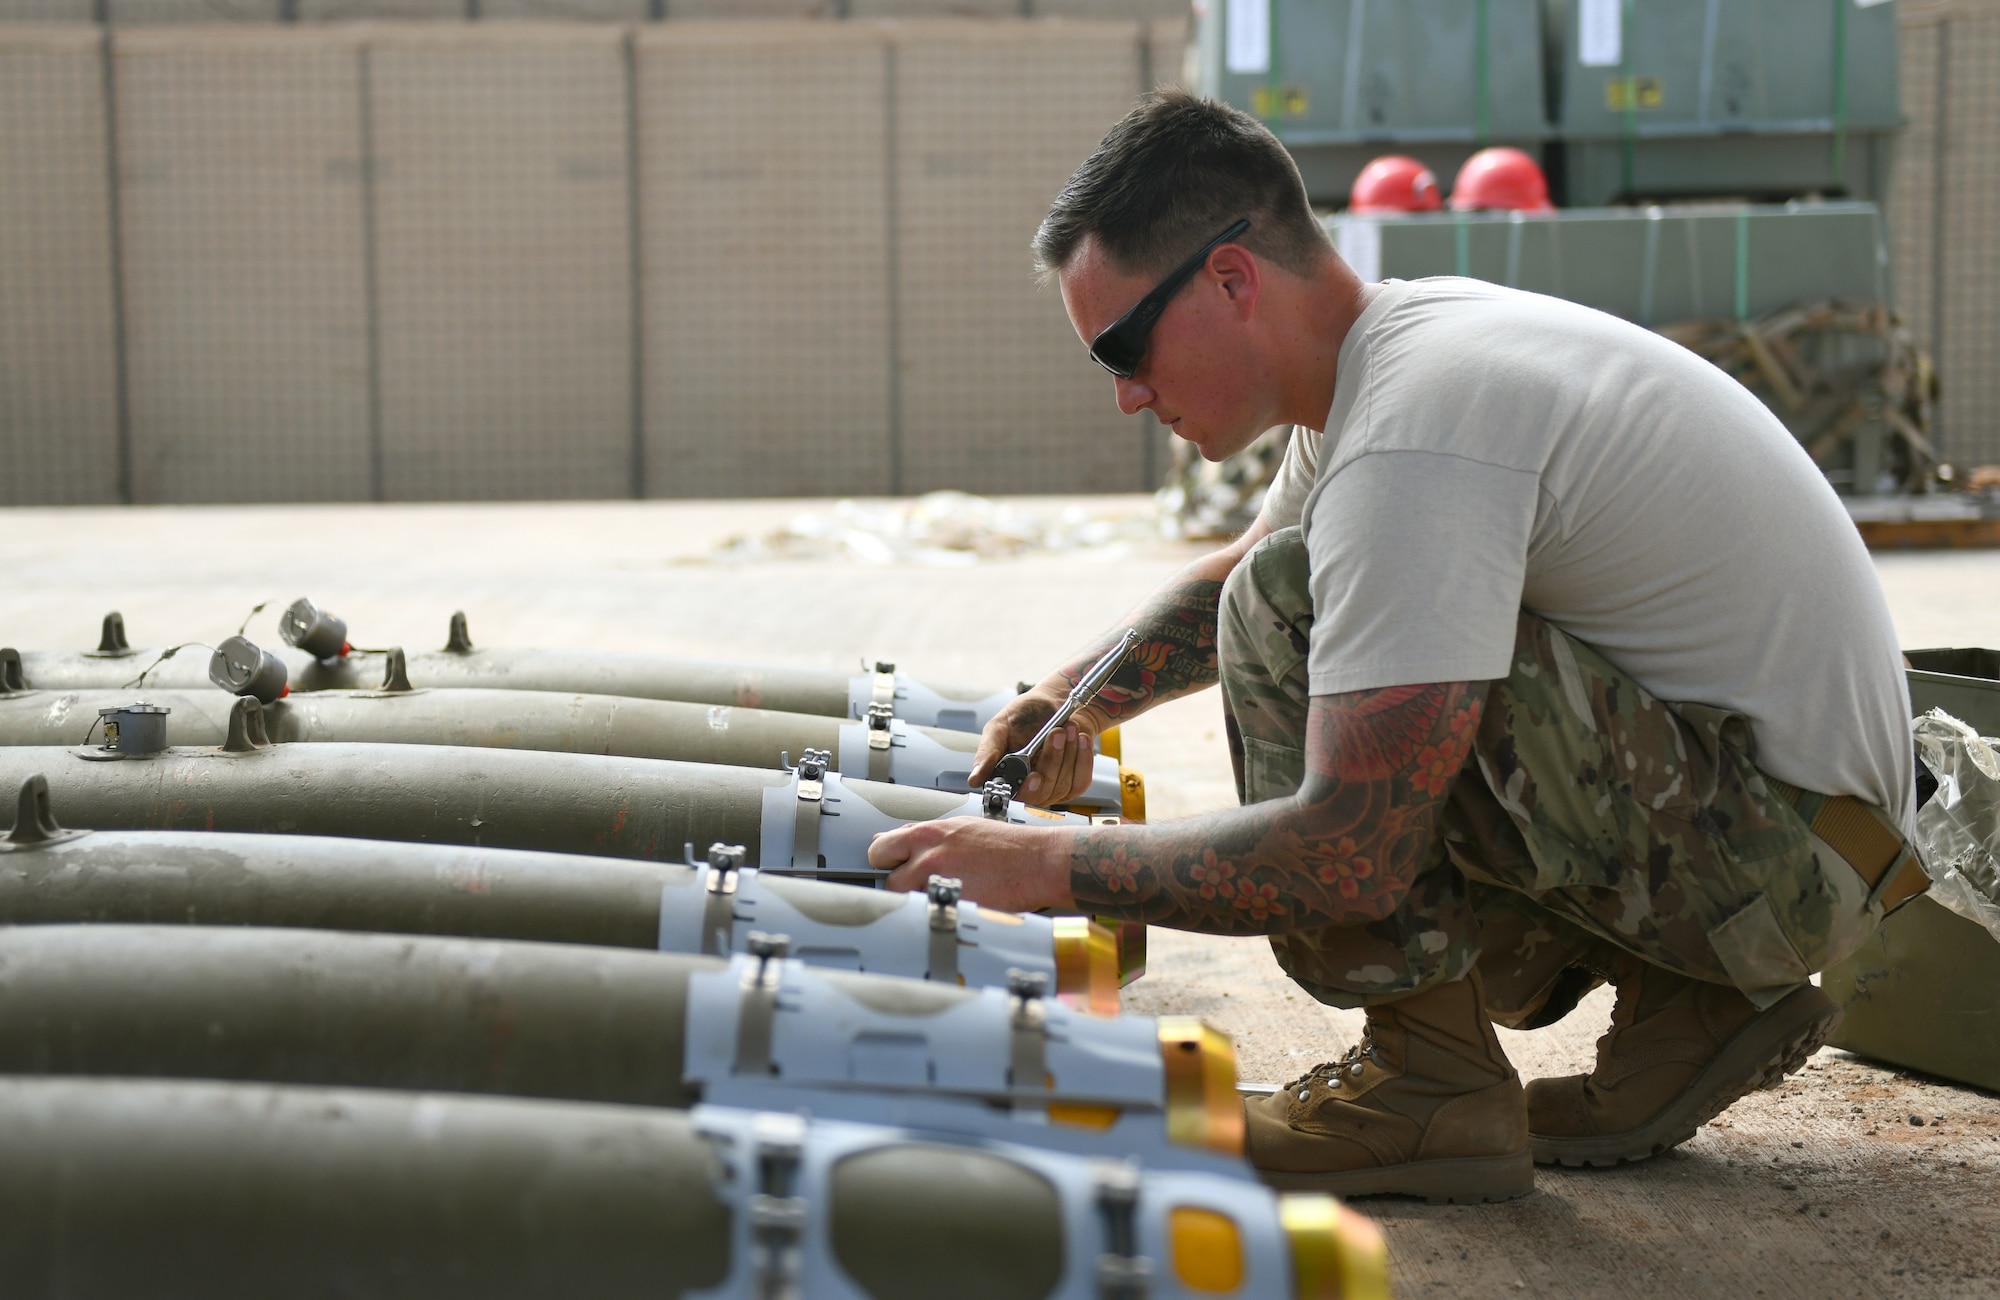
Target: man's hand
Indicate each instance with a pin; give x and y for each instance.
(1062, 770)
(1006, 867)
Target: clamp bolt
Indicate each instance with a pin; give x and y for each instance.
(1027, 985)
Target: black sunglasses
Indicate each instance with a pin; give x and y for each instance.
(1122, 345)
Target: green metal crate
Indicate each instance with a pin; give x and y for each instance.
(1924, 991)
(1344, 81)
(1672, 98)
(1650, 265)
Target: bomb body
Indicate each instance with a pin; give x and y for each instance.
(115, 1188)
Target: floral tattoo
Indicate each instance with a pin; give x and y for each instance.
(1342, 851)
(1175, 654)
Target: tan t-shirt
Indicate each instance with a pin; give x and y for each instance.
(1490, 450)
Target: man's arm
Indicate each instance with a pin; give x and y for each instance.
(1342, 851)
(1175, 656)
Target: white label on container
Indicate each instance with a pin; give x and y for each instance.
(1248, 36)
(1360, 243)
(1599, 34)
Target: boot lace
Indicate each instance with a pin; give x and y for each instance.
(1329, 1070)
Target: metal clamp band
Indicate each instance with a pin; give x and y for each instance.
(812, 770)
(777, 1213)
(757, 1006)
(1122, 1272)
(884, 692)
(718, 908)
(1028, 1023)
(880, 739)
(944, 894)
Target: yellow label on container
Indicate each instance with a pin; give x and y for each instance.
(1619, 92)
(1291, 101)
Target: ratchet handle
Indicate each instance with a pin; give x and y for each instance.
(1014, 768)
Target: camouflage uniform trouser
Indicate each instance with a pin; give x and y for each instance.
(1588, 812)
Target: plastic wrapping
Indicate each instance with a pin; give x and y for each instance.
(1958, 829)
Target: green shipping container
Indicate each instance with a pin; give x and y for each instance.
(1754, 98)
(1649, 265)
(1924, 991)
(1344, 81)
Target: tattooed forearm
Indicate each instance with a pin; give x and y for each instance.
(1175, 654)
(1342, 851)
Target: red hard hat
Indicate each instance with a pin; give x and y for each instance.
(1393, 183)
(1501, 178)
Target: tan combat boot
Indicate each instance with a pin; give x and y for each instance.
(1679, 1052)
(1425, 1105)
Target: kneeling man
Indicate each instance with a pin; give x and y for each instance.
(1552, 659)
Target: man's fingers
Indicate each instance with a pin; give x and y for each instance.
(992, 748)
(889, 849)
(1086, 760)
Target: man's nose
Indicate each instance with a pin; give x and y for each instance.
(1133, 396)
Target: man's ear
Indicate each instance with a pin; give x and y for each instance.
(1235, 271)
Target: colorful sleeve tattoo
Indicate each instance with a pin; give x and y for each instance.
(1175, 654)
(1342, 851)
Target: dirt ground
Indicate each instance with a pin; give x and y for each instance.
(1852, 1179)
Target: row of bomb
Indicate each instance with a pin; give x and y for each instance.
(675, 1118)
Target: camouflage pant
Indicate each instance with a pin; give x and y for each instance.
(1588, 812)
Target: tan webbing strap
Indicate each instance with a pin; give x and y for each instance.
(1863, 835)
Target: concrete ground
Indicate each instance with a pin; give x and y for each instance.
(1852, 1179)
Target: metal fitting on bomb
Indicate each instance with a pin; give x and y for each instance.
(1028, 1021)
(718, 912)
(767, 948)
(313, 630)
(35, 824)
(759, 1011)
(111, 642)
(812, 771)
(881, 739)
(134, 729)
(882, 691)
(1087, 964)
(1122, 1272)
(1337, 1254)
(242, 667)
(777, 1213)
(944, 893)
(994, 797)
(1203, 1107)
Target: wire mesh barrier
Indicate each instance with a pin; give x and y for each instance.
(1945, 214)
(59, 399)
(276, 261)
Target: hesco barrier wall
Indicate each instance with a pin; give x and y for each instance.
(1944, 213)
(506, 259)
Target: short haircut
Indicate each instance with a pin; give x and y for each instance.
(1176, 172)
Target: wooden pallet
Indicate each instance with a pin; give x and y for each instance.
(1928, 534)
